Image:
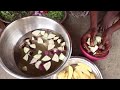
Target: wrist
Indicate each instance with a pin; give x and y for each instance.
(109, 31)
(93, 29)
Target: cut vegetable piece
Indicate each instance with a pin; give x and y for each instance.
(26, 50)
(85, 66)
(50, 46)
(34, 60)
(26, 57)
(88, 41)
(46, 58)
(86, 76)
(45, 36)
(61, 57)
(55, 38)
(80, 74)
(61, 48)
(94, 53)
(98, 39)
(51, 41)
(39, 51)
(55, 50)
(36, 33)
(75, 75)
(66, 75)
(83, 69)
(70, 72)
(61, 75)
(37, 64)
(63, 44)
(40, 40)
(55, 58)
(28, 41)
(38, 56)
(59, 41)
(93, 49)
(24, 68)
(42, 32)
(47, 66)
(33, 38)
(33, 46)
(92, 76)
(50, 36)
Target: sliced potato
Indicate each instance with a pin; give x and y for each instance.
(51, 46)
(36, 33)
(61, 56)
(50, 36)
(26, 57)
(42, 32)
(75, 75)
(37, 64)
(61, 74)
(47, 65)
(46, 58)
(37, 56)
(26, 50)
(59, 41)
(40, 40)
(34, 60)
(24, 68)
(66, 75)
(88, 41)
(63, 44)
(51, 41)
(85, 66)
(45, 36)
(33, 38)
(32, 45)
(39, 51)
(92, 76)
(55, 58)
(82, 69)
(98, 39)
(70, 72)
(85, 76)
(55, 38)
(28, 41)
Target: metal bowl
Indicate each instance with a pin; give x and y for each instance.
(14, 31)
(78, 59)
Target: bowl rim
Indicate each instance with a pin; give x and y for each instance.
(39, 77)
(89, 55)
(84, 59)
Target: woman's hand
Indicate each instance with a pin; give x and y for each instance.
(91, 33)
(106, 41)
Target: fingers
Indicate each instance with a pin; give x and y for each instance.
(107, 47)
(92, 39)
(84, 40)
(86, 47)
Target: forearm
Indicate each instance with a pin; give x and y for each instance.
(114, 27)
(93, 19)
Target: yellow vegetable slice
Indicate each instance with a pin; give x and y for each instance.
(92, 76)
(70, 72)
(83, 69)
(61, 75)
(85, 66)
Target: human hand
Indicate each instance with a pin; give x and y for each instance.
(106, 41)
(91, 33)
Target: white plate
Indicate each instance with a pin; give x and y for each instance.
(77, 59)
